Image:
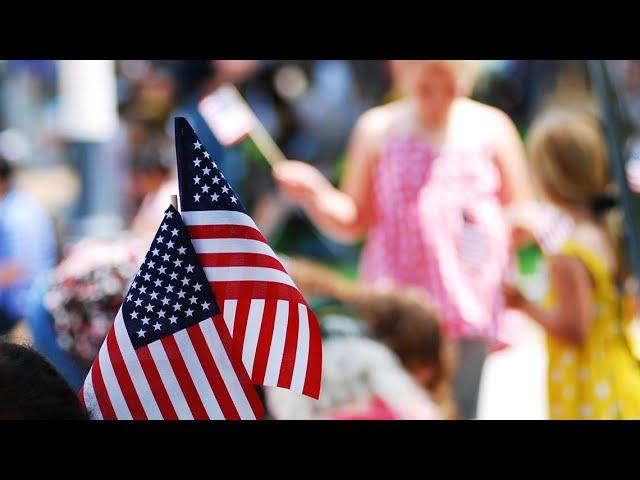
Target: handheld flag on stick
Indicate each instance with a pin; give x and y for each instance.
(168, 353)
(231, 120)
(274, 331)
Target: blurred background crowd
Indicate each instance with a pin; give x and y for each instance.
(87, 165)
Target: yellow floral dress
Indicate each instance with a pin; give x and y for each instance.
(599, 379)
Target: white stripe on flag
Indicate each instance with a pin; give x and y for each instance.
(252, 332)
(302, 350)
(90, 400)
(237, 274)
(218, 217)
(231, 245)
(111, 384)
(198, 376)
(132, 364)
(170, 381)
(226, 370)
(229, 313)
(277, 343)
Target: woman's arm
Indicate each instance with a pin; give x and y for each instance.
(511, 158)
(342, 214)
(570, 320)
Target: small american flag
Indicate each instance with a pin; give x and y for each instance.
(273, 329)
(227, 115)
(167, 355)
(552, 228)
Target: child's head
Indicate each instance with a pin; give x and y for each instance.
(403, 320)
(31, 389)
(434, 84)
(569, 158)
(399, 317)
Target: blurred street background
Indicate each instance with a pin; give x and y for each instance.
(92, 143)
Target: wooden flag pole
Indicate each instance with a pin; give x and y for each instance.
(174, 201)
(266, 144)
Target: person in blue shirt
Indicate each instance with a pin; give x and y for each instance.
(27, 248)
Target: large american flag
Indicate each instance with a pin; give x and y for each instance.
(273, 329)
(168, 354)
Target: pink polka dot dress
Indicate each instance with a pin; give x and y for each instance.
(438, 225)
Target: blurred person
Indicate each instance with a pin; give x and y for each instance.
(361, 380)
(80, 302)
(32, 389)
(400, 318)
(153, 179)
(27, 248)
(592, 373)
(425, 182)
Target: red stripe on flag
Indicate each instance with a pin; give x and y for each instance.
(240, 259)
(124, 379)
(264, 341)
(290, 345)
(184, 378)
(212, 373)
(155, 383)
(104, 402)
(238, 367)
(255, 289)
(240, 325)
(225, 231)
(314, 363)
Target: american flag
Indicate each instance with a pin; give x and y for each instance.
(168, 354)
(227, 115)
(473, 245)
(273, 329)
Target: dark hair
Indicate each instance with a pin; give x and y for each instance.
(6, 169)
(32, 389)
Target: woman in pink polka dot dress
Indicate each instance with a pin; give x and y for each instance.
(426, 183)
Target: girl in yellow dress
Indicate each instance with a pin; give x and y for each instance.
(592, 371)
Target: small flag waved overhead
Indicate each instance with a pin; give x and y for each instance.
(273, 329)
(167, 355)
(227, 115)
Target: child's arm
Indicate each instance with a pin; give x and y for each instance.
(572, 285)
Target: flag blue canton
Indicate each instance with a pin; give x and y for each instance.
(202, 185)
(170, 291)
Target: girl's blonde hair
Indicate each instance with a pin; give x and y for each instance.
(569, 156)
(465, 72)
(569, 160)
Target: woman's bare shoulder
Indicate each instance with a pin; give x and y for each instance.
(378, 120)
